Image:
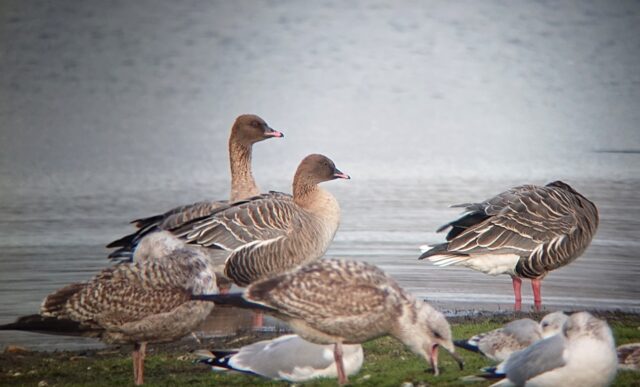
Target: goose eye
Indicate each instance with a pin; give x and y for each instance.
(255, 124)
(437, 335)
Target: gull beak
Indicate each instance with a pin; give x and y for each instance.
(456, 357)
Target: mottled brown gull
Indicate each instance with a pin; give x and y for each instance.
(247, 130)
(629, 356)
(287, 357)
(148, 301)
(514, 336)
(499, 343)
(344, 302)
(524, 232)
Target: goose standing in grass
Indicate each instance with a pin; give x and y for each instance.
(288, 357)
(274, 232)
(247, 130)
(629, 356)
(344, 302)
(524, 232)
(148, 301)
(583, 354)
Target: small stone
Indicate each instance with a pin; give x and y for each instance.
(366, 377)
(16, 374)
(43, 383)
(406, 384)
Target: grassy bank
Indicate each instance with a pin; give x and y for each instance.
(387, 362)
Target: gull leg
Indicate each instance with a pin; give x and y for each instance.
(134, 356)
(337, 356)
(536, 285)
(141, 355)
(517, 292)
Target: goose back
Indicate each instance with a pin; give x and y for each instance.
(547, 227)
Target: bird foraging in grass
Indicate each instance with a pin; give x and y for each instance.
(344, 302)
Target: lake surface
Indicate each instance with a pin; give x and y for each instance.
(113, 111)
(47, 242)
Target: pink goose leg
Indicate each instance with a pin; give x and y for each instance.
(517, 292)
(536, 285)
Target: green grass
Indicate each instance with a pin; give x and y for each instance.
(387, 363)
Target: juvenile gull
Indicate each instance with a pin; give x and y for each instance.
(552, 323)
(524, 232)
(148, 301)
(247, 130)
(629, 356)
(583, 354)
(499, 343)
(344, 302)
(516, 335)
(287, 358)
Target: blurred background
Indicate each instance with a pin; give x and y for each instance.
(113, 110)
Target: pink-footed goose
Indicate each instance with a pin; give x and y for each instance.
(247, 130)
(344, 302)
(525, 232)
(148, 301)
(274, 232)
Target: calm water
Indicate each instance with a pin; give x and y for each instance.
(112, 111)
(48, 242)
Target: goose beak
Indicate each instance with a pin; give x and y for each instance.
(270, 132)
(337, 174)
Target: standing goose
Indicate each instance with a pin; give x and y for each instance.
(344, 302)
(247, 130)
(525, 232)
(148, 301)
(272, 233)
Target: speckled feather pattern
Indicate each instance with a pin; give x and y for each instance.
(243, 135)
(629, 356)
(548, 227)
(369, 300)
(141, 301)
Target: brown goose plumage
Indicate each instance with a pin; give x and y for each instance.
(274, 232)
(525, 232)
(247, 130)
(346, 302)
(148, 301)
